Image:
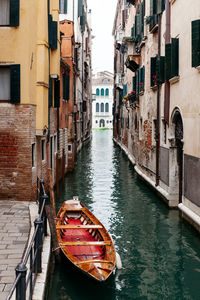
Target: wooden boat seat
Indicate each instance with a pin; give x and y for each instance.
(95, 243)
(95, 261)
(68, 226)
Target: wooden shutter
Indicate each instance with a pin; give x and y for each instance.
(124, 89)
(54, 32)
(80, 8)
(67, 85)
(64, 89)
(50, 91)
(160, 6)
(49, 29)
(133, 32)
(161, 69)
(15, 83)
(168, 61)
(142, 78)
(196, 43)
(65, 6)
(57, 93)
(14, 12)
(134, 83)
(153, 70)
(175, 58)
(137, 24)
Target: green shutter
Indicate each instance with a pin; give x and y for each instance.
(168, 61)
(14, 12)
(50, 29)
(15, 83)
(137, 27)
(153, 71)
(155, 7)
(64, 89)
(67, 86)
(54, 32)
(175, 58)
(80, 8)
(124, 89)
(82, 22)
(65, 6)
(50, 91)
(151, 7)
(160, 6)
(57, 93)
(133, 32)
(161, 69)
(196, 43)
(134, 83)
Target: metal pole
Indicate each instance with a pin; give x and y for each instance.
(44, 217)
(21, 285)
(38, 246)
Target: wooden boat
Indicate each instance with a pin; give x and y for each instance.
(84, 240)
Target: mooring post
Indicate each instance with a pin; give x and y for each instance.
(38, 246)
(21, 285)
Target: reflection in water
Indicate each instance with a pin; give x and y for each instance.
(160, 253)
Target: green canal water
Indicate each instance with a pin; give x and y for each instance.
(160, 252)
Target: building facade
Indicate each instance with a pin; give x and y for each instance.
(78, 13)
(156, 96)
(102, 88)
(29, 70)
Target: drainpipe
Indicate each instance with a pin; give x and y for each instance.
(158, 109)
(167, 41)
(82, 89)
(49, 53)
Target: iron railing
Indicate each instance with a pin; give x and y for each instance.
(31, 264)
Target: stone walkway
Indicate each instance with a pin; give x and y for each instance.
(14, 235)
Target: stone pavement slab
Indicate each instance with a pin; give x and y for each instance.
(14, 234)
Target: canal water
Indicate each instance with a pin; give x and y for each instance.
(160, 252)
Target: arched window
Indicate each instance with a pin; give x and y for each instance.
(107, 92)
(97, 92)
(97, 107)
(107, 107)
(102, 107)
(102, 92)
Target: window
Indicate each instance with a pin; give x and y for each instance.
(96, 121)
(10, 83)
(107, 107)
(107, 92)
(97, 92)
(105, 80)
(157, 70)
(196, 43)
(33, 155)
(102, 92)
(43, 149)
(97, 107)
(141, 78)
(63, 6)
(102, 107)
(4, 83)
(66, 86)
(9, 12)
(52, 32)
(172, 59)
(70, 148)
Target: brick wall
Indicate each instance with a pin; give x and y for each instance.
(17, 132)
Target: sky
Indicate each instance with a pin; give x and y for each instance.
(103, 13)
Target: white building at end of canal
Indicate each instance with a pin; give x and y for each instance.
(102, 105)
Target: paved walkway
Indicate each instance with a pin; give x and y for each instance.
(14, 234)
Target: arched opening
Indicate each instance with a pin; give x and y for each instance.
(97, 92)
(102, 107)
(107, 107)
(102, 123)
(107, 92)
(97, 107)
(102, 92)
(176, 155)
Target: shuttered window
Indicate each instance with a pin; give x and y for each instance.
(80, 8)
(141, 78)
(124, 89)
(50, 91)
(196, 43)
(175, 58)
(4, 83)
(63, 6)
(168, 50)
(57, 93)
(14, 12)
(66, 86)
(153, 71)
(52, 32)
(134, 83)
(157, 70)
(9, 12)
(15, 84)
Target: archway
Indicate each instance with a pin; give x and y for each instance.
(102, 123)
(176, 150)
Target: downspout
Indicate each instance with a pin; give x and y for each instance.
(82, 87)
(158, 109)
(167, 41)
(49, 54)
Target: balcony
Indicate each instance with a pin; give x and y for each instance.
(133, 62)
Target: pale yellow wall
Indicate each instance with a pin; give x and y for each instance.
(27, 45)
(185, 93)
